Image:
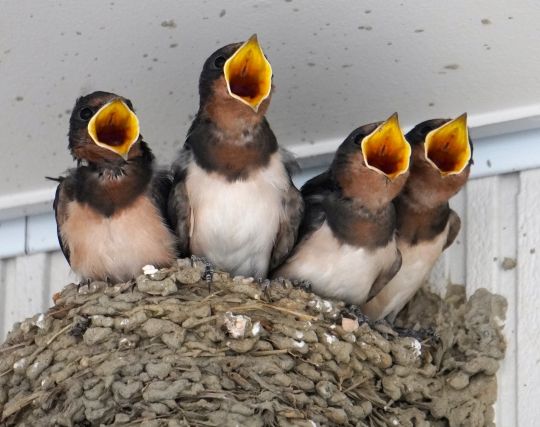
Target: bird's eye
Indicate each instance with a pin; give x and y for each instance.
(219, 62)
(86, 113)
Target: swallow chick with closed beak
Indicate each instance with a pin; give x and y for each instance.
(233, 201)
(347, 246)
(110, 209)
(440, 166)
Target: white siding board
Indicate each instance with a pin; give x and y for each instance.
(505, 283)
(60, 273)
(481, 233)
(450, 267)
(27, 284)
(26, 295)
(41, 233)
(528, 291)
(12, 236)
(455, 254)
(8, 282)
(3, 273)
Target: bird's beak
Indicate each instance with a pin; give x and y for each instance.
(386, 150)
(115, 127)
(248, 74)
(447, 148)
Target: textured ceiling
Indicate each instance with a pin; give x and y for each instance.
(337, 64)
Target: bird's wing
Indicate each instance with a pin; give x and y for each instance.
(61, 200)
(453, 229)
(179, 210)
(309, 213)
(293, 210)
(385, 276)
(290, 162)
(293, 207)
(314, 193)
(160, 190)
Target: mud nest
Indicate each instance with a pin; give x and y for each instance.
(166, 351)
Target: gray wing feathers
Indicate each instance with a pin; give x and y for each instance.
(179, 210)
(60, 211)
(385, 276)
(293, 207)
(453, 229)
(289, 161)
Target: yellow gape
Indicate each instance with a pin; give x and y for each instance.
(447, 148)
(248, 74)
(114, 127)
(386, 150)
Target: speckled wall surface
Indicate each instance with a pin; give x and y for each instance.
(337, 65)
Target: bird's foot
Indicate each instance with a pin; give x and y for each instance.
(265, 285)
(208, 274)
(197, 259)
(305, 285)
(382, 326)
(352, 311)
(263, 282)
(85, 282)
(424, 335)
(281, 280)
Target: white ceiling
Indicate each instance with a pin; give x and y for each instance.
(337, 64)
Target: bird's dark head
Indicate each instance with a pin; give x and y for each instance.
(441, 159)
(373, 162)
(237, 76)
(103, 128)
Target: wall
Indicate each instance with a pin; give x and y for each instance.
(498, 248)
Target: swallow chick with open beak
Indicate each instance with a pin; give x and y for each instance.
(440, 166)
(233, 201)
(110, 209)
(347, 247)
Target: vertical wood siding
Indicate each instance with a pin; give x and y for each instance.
(498, 248)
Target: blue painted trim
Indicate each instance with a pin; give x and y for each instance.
(493, 154)
(41, 233)
(12, 237)
(500, 154)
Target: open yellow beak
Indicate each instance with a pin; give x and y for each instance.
(447, 148)
(248, 74)
(115, 127)
(386, 150)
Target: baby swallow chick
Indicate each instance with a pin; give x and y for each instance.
(233, 200)
(347, 247)
(110, 208)
(440, 166)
